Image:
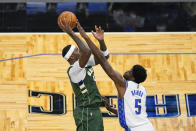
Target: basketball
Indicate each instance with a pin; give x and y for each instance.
(66, 17)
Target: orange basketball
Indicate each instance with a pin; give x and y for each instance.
(66, 17)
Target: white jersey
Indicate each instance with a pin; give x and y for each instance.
(132, 108)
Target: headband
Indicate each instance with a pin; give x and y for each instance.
(70, 52)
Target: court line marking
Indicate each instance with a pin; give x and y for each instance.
(2, 60)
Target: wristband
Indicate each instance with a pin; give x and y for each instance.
(105, 53)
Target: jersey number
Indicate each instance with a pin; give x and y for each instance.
(138, 106)
(90, 72)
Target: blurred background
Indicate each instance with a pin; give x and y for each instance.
(113, 17)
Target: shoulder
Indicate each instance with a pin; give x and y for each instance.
(77, 73)
(76, 70)
(75, 67)
(131, 83)
(143, 88)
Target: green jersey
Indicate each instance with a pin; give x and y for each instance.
(85, 89)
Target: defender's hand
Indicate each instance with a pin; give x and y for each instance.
(99, 35)
(106, 102)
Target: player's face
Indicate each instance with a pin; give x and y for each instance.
(76, 54)
(128, 75)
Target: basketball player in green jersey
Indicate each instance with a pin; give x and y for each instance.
(87, 114)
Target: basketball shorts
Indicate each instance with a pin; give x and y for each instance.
(88, 119)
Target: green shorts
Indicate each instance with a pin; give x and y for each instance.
(88, 119)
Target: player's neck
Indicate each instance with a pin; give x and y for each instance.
(131, 79)
(71, 62)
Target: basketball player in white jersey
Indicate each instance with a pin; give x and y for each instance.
(131, 96)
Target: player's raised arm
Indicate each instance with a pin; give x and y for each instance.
(114, 75)
(99, 35)
(84, 50)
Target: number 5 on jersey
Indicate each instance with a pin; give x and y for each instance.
(137, 106)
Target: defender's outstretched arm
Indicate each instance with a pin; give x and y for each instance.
(114, 75)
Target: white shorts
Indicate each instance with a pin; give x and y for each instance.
(145, 127)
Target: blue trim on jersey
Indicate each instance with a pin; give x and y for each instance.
(121, 113)
(127, 129)
(126, 84)
(80, 83)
